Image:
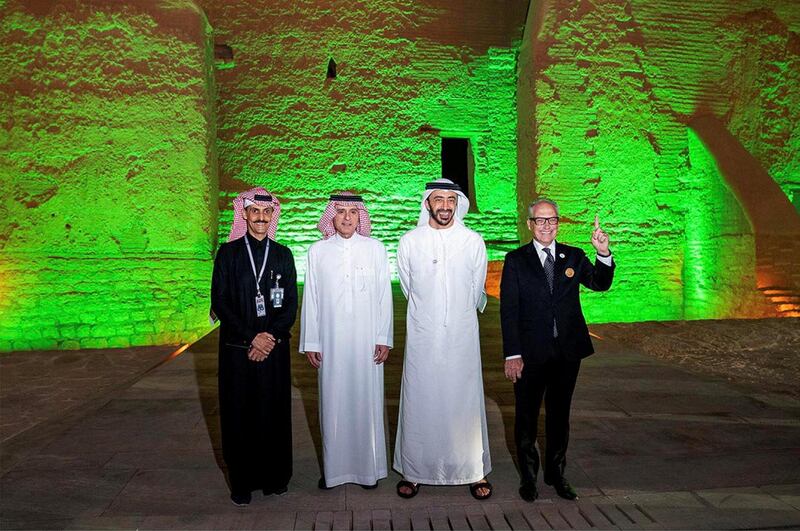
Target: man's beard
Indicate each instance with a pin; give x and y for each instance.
(435, 215)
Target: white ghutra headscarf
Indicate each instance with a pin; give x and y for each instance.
(443, 184)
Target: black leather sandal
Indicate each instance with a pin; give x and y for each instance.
(473, 489)
(413, 487)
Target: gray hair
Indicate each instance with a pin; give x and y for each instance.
(540, 201)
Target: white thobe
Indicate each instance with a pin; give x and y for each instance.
(347, 310)
(441, 434)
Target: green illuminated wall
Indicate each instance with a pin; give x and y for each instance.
(719, 259)
(121, 148)
(108, 199)
(408, 71)
(605, 94)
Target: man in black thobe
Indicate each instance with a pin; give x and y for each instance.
(254, 295)
(545, 338)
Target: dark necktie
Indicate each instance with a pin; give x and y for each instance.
(549, 272)
(549, 268)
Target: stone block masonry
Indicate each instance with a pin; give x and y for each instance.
(408, 72)
(108, 202)
(606, 94)
(121, 146)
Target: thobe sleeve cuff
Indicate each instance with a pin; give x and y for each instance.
(311, 347)
(383, 340)
(607, 260)
(513, 357)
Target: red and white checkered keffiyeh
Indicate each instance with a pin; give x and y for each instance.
(325, 224)
(245, 199)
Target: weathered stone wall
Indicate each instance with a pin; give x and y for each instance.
(109, 144)
(408, 72)
(606, 90)
(107, 173)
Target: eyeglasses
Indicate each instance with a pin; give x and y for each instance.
(540, 222)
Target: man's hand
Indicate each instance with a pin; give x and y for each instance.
(314, 358)
(261, 346)
(255, 354)
(381, 354)
(513, 369)
(599, 238)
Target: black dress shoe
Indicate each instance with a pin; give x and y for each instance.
(241, 499)
(563, 488)
(528, 492)
(278, 491)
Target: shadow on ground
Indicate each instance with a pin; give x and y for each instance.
(661, 438)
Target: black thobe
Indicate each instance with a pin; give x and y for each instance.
(254, 397)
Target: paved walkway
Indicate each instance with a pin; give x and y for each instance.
(130, 439)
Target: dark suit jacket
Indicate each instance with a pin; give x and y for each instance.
(527, 307)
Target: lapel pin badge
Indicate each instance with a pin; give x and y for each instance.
(569, 272)
(561, 255)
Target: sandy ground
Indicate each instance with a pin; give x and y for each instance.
(763, 352)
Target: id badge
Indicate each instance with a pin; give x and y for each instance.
(276, 296)
(261, 308)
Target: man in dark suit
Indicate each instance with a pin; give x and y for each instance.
(545, 338)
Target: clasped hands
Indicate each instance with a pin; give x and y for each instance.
(261, 346)
(381, 355)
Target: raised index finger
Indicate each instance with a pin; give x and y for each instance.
(596, 222)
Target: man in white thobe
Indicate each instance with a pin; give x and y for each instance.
(441, 433)
(346, 333)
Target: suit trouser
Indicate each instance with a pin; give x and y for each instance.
(555, 382)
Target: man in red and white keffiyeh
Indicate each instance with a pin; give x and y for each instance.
(345, 200)
(254, 294)
(346, 333)
(258, 197)
(263, 223)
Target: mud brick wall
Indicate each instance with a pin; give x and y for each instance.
(108, 201)
(408, 72)
(123, 141)
(606, 92)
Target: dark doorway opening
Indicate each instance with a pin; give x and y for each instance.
(458, 166)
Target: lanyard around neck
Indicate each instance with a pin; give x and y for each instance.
(253, 264)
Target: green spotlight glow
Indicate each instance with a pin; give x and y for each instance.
(108, 208)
